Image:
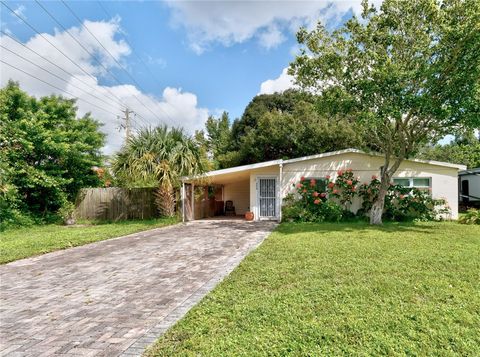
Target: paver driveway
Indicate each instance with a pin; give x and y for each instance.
(117, 296)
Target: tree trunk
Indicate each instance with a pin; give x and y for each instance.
(377, 207)
(165, 201)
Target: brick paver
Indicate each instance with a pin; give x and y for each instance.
(117, 296)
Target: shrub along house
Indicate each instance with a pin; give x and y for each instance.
(260, 188)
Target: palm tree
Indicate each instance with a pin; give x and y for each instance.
(159, 157)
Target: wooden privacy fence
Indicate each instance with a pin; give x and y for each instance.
(114, 203)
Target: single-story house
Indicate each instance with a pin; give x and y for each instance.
(469, 187)
(260, 188)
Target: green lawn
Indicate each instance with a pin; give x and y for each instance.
(25, 242)
(343, 289)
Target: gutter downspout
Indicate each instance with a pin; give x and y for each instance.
(280, 189)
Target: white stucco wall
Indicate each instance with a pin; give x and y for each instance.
(444, 181)
(239, 193)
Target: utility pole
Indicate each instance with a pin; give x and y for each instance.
(128, 125)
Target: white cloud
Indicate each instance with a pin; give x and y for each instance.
(19, 11)
(230, 22)
(172, 107)
(271, 38)
(158, 61)
(283, 82)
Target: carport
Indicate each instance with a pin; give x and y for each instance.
(251, 188)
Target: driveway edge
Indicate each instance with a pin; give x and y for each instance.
(140, 346)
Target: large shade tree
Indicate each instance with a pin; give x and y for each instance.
(463, 150)
(159, 157)
(409, 72)
(46, 152)
(277, 126)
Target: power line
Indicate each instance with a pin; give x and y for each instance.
(52, 44)
(153, 76)
(116, 61)
(54, 86)
(54, 64)
(65, 55)
(77, 41)
(53, 74)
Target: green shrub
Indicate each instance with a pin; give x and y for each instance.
(67, 213)
(14, 218)
(10, 214)
(311, 206)
(472, 216)
(403, 203)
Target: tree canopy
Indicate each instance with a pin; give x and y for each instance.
(277, 126)
(46, 152)
(409, 72)
(464, 150)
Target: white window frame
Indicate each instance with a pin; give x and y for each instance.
(410, 182)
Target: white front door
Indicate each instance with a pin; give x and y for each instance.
(267, 197)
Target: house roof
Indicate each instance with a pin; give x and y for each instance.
(238, 169)
(349, 151)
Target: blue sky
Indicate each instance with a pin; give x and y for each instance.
(205, 56)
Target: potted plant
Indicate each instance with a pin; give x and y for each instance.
(249, 215)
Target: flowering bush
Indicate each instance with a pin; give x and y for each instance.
(344, 188)
(312, 205)
(403, 203)
(332, 203)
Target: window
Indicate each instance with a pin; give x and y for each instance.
(420, 183)
(320, 183)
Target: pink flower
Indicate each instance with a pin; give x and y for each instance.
(402, 197)
(353, 189)
(299, 185)
(349, 170)
(340, 172)
(335, 192)
(349, 182)
(302, 178)
(331, 184)
(374, 177)
(312, 183)
(316, 202)
(304, 191)
(327, 177)
(315, 194)
(323, 195)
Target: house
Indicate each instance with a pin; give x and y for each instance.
(469, 187)
(260, 188)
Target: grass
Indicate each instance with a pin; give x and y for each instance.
(343, 289)
(26, 242)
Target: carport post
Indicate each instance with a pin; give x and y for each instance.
(193, 202)
(183, 201)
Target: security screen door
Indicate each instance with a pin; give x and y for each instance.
(267, 196)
